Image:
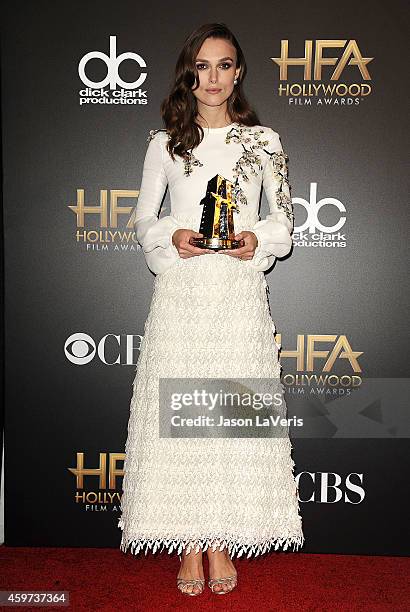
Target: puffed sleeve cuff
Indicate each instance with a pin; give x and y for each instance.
(274, 240)
(159, 250)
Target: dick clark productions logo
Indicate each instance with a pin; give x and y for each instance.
(112, 89)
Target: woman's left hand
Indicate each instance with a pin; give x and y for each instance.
(248, 250)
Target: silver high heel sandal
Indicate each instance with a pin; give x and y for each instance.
(215, 581)
(182, 584)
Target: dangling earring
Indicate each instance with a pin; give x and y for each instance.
(235, 81)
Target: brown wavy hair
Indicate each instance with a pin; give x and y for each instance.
(179, 109)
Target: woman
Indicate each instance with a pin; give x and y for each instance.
(209, 318)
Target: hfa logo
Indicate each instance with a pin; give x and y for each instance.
(112, 89)
(326, 89)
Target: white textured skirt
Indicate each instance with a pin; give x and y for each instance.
(238, 493)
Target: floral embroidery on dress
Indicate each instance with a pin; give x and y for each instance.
(189, 161)
(246, 162)
(253, 142)
(152, 133)
(189, 158)
(238, 195)
(245, 135)
(280, 171)
(250, 161)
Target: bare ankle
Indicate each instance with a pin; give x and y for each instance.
(192, 558)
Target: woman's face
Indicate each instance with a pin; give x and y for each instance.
(216, 66)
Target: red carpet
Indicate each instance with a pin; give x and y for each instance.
(108, 579)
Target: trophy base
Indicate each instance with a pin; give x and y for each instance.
(217, 244)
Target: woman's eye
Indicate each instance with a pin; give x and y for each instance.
(225, 66)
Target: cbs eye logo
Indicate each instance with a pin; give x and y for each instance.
(111, 349)
(112, 62)
(80, 348)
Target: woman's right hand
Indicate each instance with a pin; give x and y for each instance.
(180, 239)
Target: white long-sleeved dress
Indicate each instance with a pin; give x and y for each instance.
(209, 318)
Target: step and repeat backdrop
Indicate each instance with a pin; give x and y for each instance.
(82, 85)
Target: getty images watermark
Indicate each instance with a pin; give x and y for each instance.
(257, 408)
(223, 408)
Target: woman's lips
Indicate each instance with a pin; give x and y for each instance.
(213, 91)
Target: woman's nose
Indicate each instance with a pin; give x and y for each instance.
(213, 76)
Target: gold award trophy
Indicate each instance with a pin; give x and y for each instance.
(217, 224)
